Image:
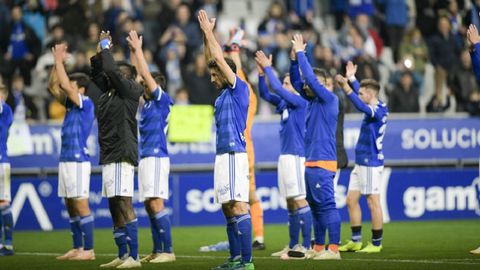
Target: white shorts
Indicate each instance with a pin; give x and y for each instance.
(291, 176)
(367, 180)
(153, 177)
(117, 179)
(74, 179)
(335, 182)
(230, 177)
(5, 194)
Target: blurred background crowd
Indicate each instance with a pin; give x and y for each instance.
(416, 49)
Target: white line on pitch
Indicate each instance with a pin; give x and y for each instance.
(462, 261)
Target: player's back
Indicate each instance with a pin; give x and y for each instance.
(153, 125)
(231, 109)
(368, 151)
(321, 125)
(292, 129)
(76, 128)
(6, 119)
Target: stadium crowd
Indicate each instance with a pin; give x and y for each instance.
(394, 41)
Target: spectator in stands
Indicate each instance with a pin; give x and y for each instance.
(110, 17)
(183, 25)
(325, 59)
(443, 54)
(456, 21)
(181, 96)
(22, 104)
(57, 35)
(301, 12)
(435, 104)
(356, 7)
(167, 15)
(396, 20)
(372, 37)
(152, 67)
(23, 47)
(89, 44)
(173, 54)
(426, 17)
(414, 54)
(462, 82)
(339, 9)
(73, 18)
(281, 54)
(275, 22)
(197, 81)
(33, 17)
(404, 97)
(473, 105)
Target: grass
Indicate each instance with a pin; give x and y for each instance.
(407, 245)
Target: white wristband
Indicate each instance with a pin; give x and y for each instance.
(352, 78)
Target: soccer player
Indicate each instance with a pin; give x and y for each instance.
(231, 182)
(6, 219)
(474, 40)
(154, 166)
(291, 167)
(366, 177)
(117, 136)
(320, 152)
(233, 51)
(74, 167)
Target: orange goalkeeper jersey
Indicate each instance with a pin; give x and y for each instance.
(252, 110)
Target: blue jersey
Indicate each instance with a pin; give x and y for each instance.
(368, 151)
(322, 114)
(76, 129)
(292, 108)
(231, 109)
(154, 125)
(6, 119)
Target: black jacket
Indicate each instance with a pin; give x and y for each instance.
(117, 108)
(342, 158)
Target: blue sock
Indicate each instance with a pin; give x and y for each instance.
(293, 228)
(132, 238)
(157, 244)
(120, 236)
(356, 233)
(162, 221)
(233, 239)
(377, 237)
(331, 219)
(244, 225)
(7, 225)
(87, 224)
(305, 221)
(1, 230)
(76, 232)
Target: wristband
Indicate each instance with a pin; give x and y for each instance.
(105, 43)
(352, 78)
(234, 48)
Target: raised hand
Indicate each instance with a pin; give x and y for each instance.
(343, 83)
(260, 70)
(206, 24)
(298, 44)
(104, 35)
(262, 59)
(134, 41)
(472, 34)
(59, 52)
(351, 69)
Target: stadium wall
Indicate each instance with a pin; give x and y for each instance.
(432, 173)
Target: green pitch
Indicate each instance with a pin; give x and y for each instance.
(407, 245)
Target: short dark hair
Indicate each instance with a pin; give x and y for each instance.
(81, 79)
(230, 63)
(160, 79)
(320, 72)
(370, 84)
(129, 71)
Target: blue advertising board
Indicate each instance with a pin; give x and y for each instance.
(407, 194)
(418, 139)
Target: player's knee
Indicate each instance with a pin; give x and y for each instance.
(352, 201)
(154, 205)
(239, 208)
(373, 202)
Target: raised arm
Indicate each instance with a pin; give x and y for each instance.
(263, 89)
(54, 86)
(266, 64)
(212, 48)
(307, 71)
(351, 70)
(295, 77)
(474, 40)
(125, 87)
(60, 54)
(357, 102)
(135, 44)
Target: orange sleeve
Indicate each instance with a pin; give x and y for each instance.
(252, 110)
